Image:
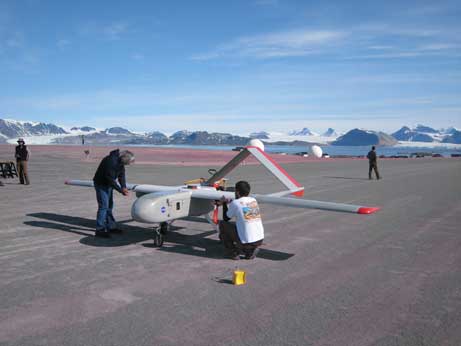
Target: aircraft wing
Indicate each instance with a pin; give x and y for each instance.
(289, 202)
(312, 204)
(133, 187)
(212, 194)
(87, 183)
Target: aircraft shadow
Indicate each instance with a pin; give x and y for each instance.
(10, 182)
(348, 178)
(82, 226)
(201, 246)
(193, 245)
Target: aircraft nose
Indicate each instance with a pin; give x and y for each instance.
(143, 210)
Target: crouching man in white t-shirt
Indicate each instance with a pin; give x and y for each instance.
(247, 233)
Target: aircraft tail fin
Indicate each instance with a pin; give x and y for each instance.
(281, 174)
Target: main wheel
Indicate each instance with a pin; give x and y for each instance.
(164, 227)
(158, 237)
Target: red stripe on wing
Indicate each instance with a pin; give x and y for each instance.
(367, 210)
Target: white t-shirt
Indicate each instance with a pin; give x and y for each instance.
(248, 219)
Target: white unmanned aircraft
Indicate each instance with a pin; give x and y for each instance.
(161, 205)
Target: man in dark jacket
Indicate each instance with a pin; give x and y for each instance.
(373, 163)
(110, 170)
(22, 156)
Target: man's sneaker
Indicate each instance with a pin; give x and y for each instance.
(250, 256)
(102, 234)
(235, 255)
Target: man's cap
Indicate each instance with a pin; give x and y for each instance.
(21, 140)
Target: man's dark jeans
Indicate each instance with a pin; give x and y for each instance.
(105, 219)
(373, 166)
(231, 241)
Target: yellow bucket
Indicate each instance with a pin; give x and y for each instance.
(239, 277)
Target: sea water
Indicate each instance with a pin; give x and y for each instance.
(332, 150)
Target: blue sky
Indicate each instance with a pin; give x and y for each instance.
(231, 66)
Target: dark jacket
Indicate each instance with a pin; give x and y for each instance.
(372, 157)
(110, 169)
(22, 154)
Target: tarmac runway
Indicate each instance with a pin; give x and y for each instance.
(322, 278)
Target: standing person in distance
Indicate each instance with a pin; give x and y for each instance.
(110, 175)
(373, 163)
(22, 156)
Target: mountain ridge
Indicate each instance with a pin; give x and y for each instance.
(12, 129)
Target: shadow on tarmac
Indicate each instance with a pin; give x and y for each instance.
(11, 182)
(348, 178)
(223, 281)
(85, 227)
(201, 246)
(193, 245)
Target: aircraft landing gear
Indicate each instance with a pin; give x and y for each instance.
(160, 232)
(158, 237)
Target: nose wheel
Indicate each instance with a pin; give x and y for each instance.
(160, 233)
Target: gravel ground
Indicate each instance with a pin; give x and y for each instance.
(322, 278)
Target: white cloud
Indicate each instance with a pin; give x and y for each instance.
(439, 46)
(384, 41)
(371, 41)
(278, 44)
(378, 47)
(393, 55)
(385, 29)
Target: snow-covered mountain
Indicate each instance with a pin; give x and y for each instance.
(180, 136)
(425, 129)
(409, 135)
(426, 134)
(118, 131)
(450, 130)
(260, 135)
(112, 135)
(359, 137)
(454, 137)
(303, 132)
(83, 129)
(330, 133)
(42, 133)
(13, 128)
(211, 138)
(303, 135)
